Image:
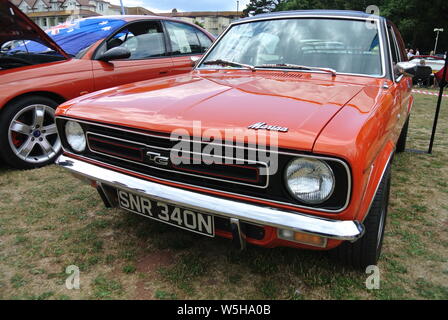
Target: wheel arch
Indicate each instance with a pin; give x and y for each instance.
(48, 94)
(378, 169)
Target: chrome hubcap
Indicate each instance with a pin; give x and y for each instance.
(32, 134)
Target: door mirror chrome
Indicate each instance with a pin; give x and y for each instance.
(194, 60)
(408, 69)
(115, 54)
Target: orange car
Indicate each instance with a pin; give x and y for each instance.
(282, 135)
(38, 72)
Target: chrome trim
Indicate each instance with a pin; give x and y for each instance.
(267, 216)
(341, 17)
(176, 171)
(239, 237)
(344, 164)
(379, 182)
(392, 70)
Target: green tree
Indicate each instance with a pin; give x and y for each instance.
(199, 24)
(261, 6)
(416, 19)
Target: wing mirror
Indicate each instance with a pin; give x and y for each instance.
(194, 60)
(115, 54)
(407, 69)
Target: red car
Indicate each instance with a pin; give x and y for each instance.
(38, 72)
(282, 135)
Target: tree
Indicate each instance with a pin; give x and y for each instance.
(261, 6)
(416, 19)
(199, 24)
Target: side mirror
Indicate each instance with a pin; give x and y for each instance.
(194, 60)
(115, 54)
(407, 69)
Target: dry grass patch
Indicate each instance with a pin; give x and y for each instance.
(49, 220)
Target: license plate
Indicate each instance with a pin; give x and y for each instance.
(176, 216)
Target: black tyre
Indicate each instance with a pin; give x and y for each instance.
(401, 143)
(28, 136)
(366, 250)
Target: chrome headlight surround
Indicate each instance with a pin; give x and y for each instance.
(309, 180)
(75, 136)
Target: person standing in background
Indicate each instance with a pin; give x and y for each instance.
(417, 52)
(410, 53)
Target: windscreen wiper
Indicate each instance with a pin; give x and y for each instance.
(229, 63)
(296, 66)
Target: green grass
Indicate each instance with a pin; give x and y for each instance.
(49, 220)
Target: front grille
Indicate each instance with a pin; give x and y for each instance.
(147, 153)
(161, 158)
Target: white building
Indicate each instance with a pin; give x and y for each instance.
(214, 21)
(48, 13)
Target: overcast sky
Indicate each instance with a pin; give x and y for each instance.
(184, 5)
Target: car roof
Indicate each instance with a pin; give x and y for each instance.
(295, 13)
(136, 17)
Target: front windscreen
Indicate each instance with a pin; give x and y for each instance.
(347, 46)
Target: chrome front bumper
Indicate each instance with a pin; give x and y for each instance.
(235, 210)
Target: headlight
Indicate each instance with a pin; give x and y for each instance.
(75, 136)
(309, 180)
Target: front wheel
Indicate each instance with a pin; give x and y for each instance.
(28, 136)
(366, 250)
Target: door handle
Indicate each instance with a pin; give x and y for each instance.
(163, 72)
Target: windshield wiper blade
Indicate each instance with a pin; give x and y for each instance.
(296, 66)
(229, 63)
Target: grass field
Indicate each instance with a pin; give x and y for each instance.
(49, 220)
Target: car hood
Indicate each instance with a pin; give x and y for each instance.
(15, 25)
(303, 104)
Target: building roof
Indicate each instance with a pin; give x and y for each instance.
(85, 13)
(193, 14)
(138, 11)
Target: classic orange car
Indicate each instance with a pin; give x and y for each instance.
(38, 72)
(282, 135)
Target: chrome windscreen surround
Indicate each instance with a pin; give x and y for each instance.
(262, 215)
(295, 205)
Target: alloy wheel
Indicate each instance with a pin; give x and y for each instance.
(32, 134)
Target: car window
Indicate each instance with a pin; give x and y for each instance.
(143, 39)
(394, 51)
(204, 40)
(183, 39)
(347, 46)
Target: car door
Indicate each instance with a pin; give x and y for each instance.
(149, 58)
(395, 89)
(405, 85)
(402, 85)
(186, 43)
